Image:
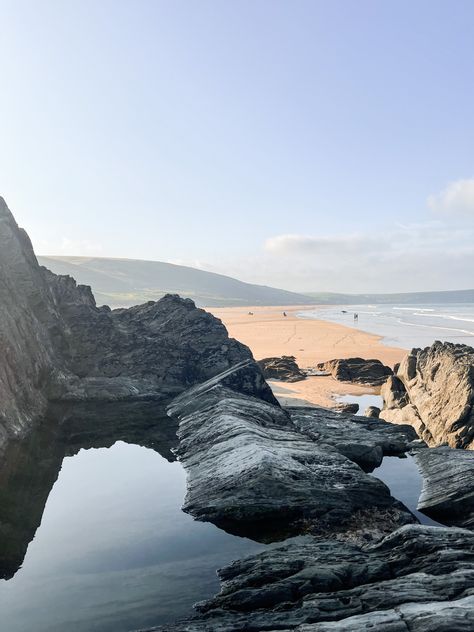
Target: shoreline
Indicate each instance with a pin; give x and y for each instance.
(268, 333)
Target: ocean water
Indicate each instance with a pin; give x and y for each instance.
(405, 326)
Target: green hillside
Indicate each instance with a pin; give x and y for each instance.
(124, 282)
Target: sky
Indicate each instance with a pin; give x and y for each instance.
(310, 145)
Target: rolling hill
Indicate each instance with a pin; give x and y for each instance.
(125, 282)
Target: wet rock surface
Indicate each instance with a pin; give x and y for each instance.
(423, 573)
(434, 391)
(282, 368)
(448, 485)
(357, 370)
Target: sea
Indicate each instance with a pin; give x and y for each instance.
(405, 326)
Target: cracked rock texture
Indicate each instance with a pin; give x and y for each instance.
(418, 578)
(254, 469)
(448, 485)
(434, 391)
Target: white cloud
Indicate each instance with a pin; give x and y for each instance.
(456, 199)
(419, 256)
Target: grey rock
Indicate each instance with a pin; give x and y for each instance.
(361, 439)
(282, 368)
(252, 472)
(372, 411)
(350, 409)
(57, 345)
(357, 370)
(421, 575)
(448, 485)
(434, 391)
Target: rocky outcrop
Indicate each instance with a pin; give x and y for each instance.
(372, 411)
(58, 345)
(419, 578)
(255, 470)
(434, 391)
(357, 370)
(363, 440)
(349, 409)
(282, 368)
(448, 485)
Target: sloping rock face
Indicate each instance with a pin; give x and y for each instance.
(357, 370)
(282, 368)
(434, 391)
(28, 324)
(418, 578)
(252, 472)
(448, 485)
(56, 344)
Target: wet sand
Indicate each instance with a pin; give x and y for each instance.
(268, 333)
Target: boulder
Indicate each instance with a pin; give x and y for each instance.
(282, 368)
(434, 391)
(372, 411)
(350, 409)
(357, 370)
(448, 485)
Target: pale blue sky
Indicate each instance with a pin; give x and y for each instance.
(293, 143)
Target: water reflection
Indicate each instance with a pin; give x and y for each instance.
(114, 551)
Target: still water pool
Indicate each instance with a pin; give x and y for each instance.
(114, 550)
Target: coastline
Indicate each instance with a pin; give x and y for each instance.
(268, 333)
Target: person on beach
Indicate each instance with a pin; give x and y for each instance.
(284, 313)
(356, 318)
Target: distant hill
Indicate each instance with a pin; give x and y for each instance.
(417, 298)
(125, 282)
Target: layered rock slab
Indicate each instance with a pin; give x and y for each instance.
(448, 485)
(252, 472)
(434, 391)
(425, 574)
(363, 440)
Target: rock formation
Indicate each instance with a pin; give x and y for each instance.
(434, 391)
(282, 368)
(363, 440)
(58, 345)
(357, 370)
(448, 485)
(418, 578)
(349, 409)
(255, 470)
(372, 411)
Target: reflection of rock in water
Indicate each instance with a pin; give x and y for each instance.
(31, 467)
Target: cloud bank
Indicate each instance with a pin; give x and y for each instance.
(456, 199)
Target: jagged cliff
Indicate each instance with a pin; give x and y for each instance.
(433, 390)
(56, 344)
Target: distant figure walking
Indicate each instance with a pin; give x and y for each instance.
(284, 313)
(356, 318)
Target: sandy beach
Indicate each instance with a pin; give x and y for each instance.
(268, 333)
